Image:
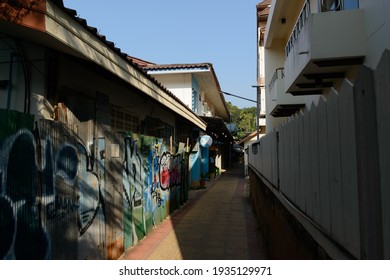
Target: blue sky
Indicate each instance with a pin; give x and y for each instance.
(184, 31)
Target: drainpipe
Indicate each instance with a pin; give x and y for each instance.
(258, 107)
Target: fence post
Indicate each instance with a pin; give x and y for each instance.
(369, 191)
(382, 87)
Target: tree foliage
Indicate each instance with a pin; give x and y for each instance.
(244, 119)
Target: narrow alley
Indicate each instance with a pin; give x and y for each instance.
(216, 223)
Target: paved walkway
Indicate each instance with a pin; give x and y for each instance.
(216, 223)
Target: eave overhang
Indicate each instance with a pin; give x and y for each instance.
(204, 73)
(64, 32)
(217, 129)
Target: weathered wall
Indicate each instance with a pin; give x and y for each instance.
(61, 198)
(286, 238)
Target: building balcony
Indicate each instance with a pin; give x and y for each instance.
(282, 104)
(322, 48)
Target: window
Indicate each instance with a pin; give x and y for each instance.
(124, 121)
(338, 5)
(157, 128)
(194, 101)
(330, 5)
(351, 4)
(195, 95)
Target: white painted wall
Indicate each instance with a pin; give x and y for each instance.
(179, 84)
(376, 32)
(377, 29)
(274, 58)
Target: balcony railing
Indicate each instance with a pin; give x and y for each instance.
(323, 47)
(278, 74)
(282, 104)
(302, 19)
(324, 6)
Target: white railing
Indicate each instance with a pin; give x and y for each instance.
(311, 160)
(278, 74)
(324, 6)
(303, 16)
(326, 163)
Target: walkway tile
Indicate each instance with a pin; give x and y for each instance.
(217, 223)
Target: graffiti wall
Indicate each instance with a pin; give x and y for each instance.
(54, 198)
(153, 182)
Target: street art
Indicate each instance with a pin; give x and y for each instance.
(22, 235)
(153, 172)
(52, 191)
(41, 191)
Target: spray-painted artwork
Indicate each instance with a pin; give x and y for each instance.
(53, 202)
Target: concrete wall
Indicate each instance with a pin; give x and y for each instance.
(285, 237)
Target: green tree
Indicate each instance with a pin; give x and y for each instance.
(244, 119)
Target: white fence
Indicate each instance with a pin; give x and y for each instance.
(327, 162)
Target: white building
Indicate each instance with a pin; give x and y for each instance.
(196, 85)
(325, 155)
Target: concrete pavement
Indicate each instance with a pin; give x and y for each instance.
(216, 223)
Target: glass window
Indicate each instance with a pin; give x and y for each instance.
(351, 4)
(330, 5)
(338, 5)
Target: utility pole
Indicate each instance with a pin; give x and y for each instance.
(258, 107)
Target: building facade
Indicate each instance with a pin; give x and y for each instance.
(94, 151)
(197, 86)
(325, 157)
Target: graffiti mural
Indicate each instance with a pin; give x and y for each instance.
(41, 193)
(153, 171)
(52, 191)
(24, 236)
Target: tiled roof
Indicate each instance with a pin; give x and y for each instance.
(178, 66)
(142, 65)
(140, 62)
(135, 62)
(147, 66)
(264, 4)
(263, 13)
(263, 9)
